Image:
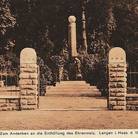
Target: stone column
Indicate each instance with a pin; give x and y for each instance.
(28, 79)
(72, 36)
(117, 79)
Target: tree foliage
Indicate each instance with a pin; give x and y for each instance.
(43, 25)
(7, 22)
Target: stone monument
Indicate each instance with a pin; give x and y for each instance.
(117, 79)
(72, 36)
(28, 79)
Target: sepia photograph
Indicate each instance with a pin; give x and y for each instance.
(69, 65)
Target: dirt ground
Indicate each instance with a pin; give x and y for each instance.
(71, 115)
(73, 103)
(68, 120)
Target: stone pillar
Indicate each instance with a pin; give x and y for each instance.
(72, 36)
(28, 79)
(117, 79)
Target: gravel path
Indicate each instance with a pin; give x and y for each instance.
(69, 118)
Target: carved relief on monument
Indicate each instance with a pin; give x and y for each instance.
(117, 54)
(28, 55)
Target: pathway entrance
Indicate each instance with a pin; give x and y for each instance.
(73, 96)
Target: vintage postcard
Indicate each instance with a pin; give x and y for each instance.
(69, 68)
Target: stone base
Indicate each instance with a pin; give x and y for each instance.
(29, 86)
(8, 104)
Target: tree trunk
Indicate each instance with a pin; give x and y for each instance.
(84, 36)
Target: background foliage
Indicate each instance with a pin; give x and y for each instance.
(43, 25)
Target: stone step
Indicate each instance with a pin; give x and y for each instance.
(72, 86)
(72, 82)
(73, 94)
(72, 90)
(65, 83)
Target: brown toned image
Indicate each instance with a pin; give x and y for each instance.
(68, 64)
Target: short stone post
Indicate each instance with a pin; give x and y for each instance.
(117, 79)
(72, 36)
(28, 79)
